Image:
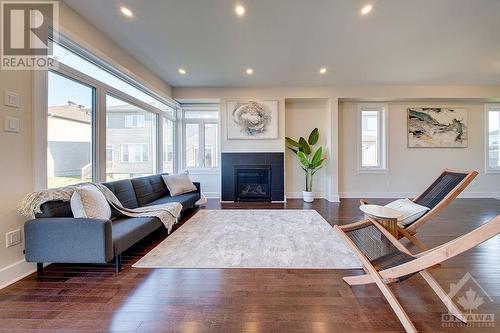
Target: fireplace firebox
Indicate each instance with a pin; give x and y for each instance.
(253, 183)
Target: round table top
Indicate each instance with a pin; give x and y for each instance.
(380, 211)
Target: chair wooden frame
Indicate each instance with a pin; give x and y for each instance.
(419, 264)
(410, 231)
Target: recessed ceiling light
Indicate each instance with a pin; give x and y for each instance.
(366, 9)
(322, 70)
(240, 10)
(182, 71)
(126, 11)
(249, 71)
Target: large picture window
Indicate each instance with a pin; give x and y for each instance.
(492, 140)
(137, 158)
(69, 131)
(103, 124)
(372, 148)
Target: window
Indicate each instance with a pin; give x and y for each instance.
(211, 148)
(70, 124)
(109, 153)
(201, 136)
(492, 138)
(73, 60)
(168, 145)
(131, 118)
(192, 140)
(135, 152)
(138, 158)
(134, 121)
(372, 138)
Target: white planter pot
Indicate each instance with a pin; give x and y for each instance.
(308, 196)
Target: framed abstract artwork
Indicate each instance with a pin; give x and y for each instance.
(252, 119)
(437, 128)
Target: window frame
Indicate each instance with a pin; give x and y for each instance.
(383, 125)
(101, 89)
(201, 135)
(487, 109)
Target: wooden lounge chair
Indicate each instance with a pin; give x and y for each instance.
(385, 260)
(438, 196)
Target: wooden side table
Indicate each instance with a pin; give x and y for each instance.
(387, 217)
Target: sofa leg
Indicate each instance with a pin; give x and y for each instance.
(118, 263)
(39, 269)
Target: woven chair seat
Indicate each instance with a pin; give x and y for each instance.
(378, 249)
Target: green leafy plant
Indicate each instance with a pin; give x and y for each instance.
(309, 162)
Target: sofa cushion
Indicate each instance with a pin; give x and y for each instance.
(149, 188)
(187, 200)
(128, 231)
(124, 191)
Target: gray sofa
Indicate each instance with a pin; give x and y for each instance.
(55, 236)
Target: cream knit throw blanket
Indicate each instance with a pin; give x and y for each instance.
(167, 213)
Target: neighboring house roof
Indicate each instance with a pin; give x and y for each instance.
(74, 112)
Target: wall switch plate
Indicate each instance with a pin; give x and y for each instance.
(11, 124)
(13, 238)
(12, 99)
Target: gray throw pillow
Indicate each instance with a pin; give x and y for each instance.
(178, 184)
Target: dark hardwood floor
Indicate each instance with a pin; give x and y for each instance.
(92, 298)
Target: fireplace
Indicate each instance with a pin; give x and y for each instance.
(253, 183)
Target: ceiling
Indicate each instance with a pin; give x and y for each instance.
(286, 42)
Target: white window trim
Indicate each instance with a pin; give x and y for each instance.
(487, 109)
(383, 108)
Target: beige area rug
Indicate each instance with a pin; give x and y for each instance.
(252, 239)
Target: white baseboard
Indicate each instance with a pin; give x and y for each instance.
(318, 195)
(398, 195)
(212, 195)
(15, 272)
(298, 195)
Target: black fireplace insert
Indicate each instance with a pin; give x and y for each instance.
(253, 183)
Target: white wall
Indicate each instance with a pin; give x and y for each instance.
(302, 116)
(411, 170)
(16, 149)
(424, 94)
(282, 94)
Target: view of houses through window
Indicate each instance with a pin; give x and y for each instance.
(131, 126)
(131, 135)
(69, 131)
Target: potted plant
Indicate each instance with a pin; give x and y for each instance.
(309, 162)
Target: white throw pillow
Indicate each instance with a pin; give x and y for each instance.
(411, 211)
(179, 184)
(88, 202)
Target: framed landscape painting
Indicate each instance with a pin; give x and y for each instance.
(252, 119)
(437, 128)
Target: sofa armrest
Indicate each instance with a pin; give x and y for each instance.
(198, 186)
(68, 240)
